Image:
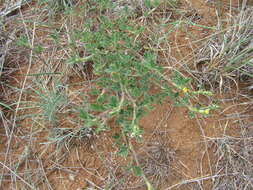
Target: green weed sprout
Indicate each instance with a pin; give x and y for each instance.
(125, 74)
(125, 77)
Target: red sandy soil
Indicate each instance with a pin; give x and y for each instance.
(87, 164)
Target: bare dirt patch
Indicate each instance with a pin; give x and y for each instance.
(176, 151)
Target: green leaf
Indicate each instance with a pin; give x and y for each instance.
(156, 3)
(102, 98)
(97, 107)
(91, 123)
(23, 42)
(100, 128)
(116, 136)
(74, 60)
(55, 36)
(123, 151)
(95, 92)
(84, 114)
(113, 102)
(38, 49)
(137, 171)
(180, 80)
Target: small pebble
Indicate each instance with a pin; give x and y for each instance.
(71, 177)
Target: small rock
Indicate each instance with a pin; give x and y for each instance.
(71, 177)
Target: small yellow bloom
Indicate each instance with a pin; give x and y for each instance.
(185, 90)
(207, 111)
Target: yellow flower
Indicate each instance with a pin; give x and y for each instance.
(206, 111)
(185, 90)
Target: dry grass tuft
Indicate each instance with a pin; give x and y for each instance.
(227, 55)
(157, 163)
(235, 161)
